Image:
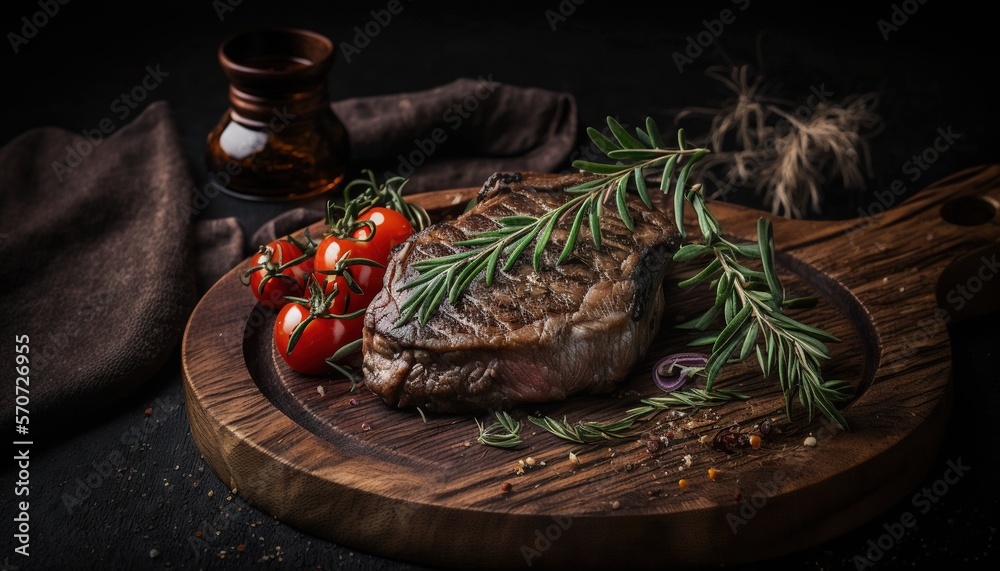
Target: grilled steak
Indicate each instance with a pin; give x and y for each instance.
(529, 337)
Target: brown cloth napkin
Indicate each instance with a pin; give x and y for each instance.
(458, 134)
(99, 278)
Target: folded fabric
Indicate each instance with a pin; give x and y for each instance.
(100, 253)
(458, 134)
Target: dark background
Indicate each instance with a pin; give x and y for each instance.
(616, 59)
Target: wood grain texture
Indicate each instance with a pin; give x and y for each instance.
(346, 467)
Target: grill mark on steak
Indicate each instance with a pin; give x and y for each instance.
(578, 327)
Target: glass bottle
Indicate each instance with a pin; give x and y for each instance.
(279, 139)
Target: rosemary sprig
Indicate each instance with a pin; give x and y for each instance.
(751, 304)
(585, 432)
(500, 248)
(504, 433)
(690, 398)
(589, 432)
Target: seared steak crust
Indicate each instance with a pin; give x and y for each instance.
(529, 337)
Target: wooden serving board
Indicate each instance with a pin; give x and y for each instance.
(346, 467)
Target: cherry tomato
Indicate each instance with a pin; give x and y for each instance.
(364, 261)
(270, 277)
(321, 335)
(391, 227)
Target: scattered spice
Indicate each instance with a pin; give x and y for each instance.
(574, 458)
(810, 441)
(529, 461)
(616, 504)
(765, 427)
(211, 493)
(241, 548)
(712, 474)
(365, 426)
(506, 487)
(653, 445)
(353, 402)
(154, 553)
(728, 440)
(682, 484)
(755, 441)
(149, 412)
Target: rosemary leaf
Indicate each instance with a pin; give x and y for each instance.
(620, 201)
(603, 143)
(597, 168)
(504, 433)
(574, 233)
(654, 134)
(766, 238)
(624, 139)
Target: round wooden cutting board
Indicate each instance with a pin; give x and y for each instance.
(344, 466)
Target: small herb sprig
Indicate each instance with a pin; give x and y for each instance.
(590, 432)
(585, 432)
(504, 433)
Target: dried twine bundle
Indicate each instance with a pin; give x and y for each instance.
(758, 141)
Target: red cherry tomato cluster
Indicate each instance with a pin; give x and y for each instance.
(321, 290)
(280, 269)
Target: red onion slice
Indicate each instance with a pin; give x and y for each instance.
(674, 371)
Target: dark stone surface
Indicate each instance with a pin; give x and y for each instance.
(148, 487)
